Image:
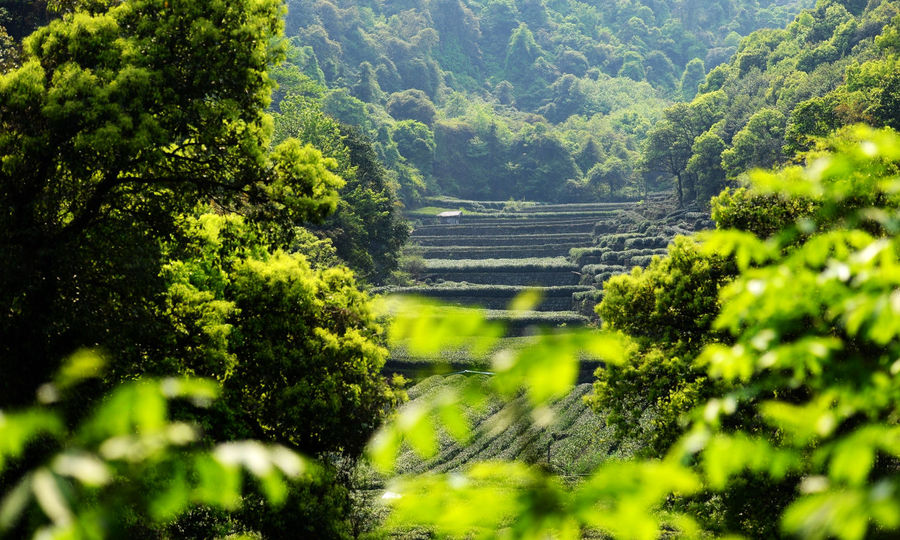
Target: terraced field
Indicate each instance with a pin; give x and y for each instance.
(577, 438)
(498, 250)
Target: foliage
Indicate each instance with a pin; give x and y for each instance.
(116, 122)
(668, 308)
(479, 73)
(366, 228)
(151, 215)
(127, 467)
(799, 438)
(295, 348)
(833, 66)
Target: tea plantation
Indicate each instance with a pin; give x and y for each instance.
(498, 250)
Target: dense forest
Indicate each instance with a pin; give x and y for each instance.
(500, 99)
(680, 224)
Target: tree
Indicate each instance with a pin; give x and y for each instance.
(758, 144)
(706, 165)
(669, 143)
(366, 228)
(367, 88)
(694, 75)
(104, 146)
(613, 173)
(294, 347)
(412, 105)
(659, 70)
(498, 21)
(667, 150)
(668, 309)
(521, 53)
(416, 143)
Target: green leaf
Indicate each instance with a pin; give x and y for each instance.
(84, 364)
(527, 300)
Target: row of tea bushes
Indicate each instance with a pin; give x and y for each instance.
(502, 265)
(495, 297)
(531, 217)
(489, 252)
(487, 240)
(530, 278)
(556, 227)
(584, 302)
(597, 274)
(628, 257)
(603, 255)
(580, 452)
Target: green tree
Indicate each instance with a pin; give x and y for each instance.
(116, 122)
(667, 150)
(614, 173)
(366, 228)
(521, 54)
(295, 348)
(758, 144)
(412, 105)
(416, 143)
(670, 142)
(694, 75)
(367, 88)
(668, 309)
(706, 165)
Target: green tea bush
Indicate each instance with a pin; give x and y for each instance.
(646, 242)
(491, 296)
(586, 256)
(616, 242)
(491, 252)
(502, 265)
(504, 240)
(555, 227)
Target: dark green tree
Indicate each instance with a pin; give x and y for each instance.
(758, 144)
(706, 165)
(412, 105)
(694, 74)
(416, 143)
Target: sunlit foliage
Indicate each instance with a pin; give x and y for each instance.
(804, 420)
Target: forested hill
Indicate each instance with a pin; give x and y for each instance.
(501, 98)
(832, 66)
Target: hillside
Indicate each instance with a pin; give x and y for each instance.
(496, 99)
(832, 66)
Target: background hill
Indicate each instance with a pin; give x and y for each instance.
(518, 99)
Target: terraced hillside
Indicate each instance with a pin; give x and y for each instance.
(566, 250)
(498, 250)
